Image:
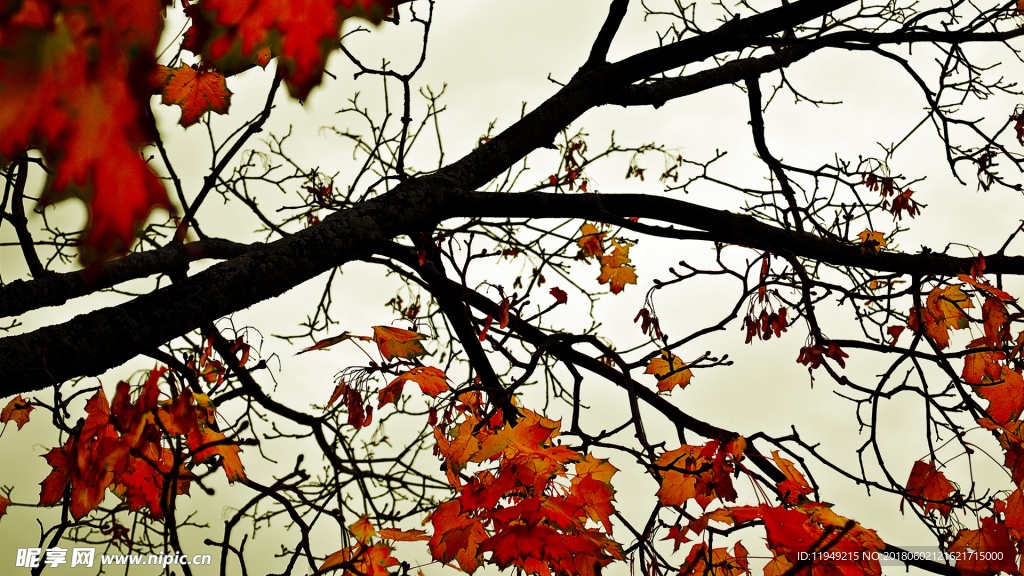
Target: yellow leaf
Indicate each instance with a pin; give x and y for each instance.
(670, 371)
(871, 240)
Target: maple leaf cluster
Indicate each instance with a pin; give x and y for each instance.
(813, 356)
(523, 506)
(995, 545)
(616, 270)
(75, 84)
(123, 446)
(367, 557)
(77, 76)
(797, 526)
(701, 473)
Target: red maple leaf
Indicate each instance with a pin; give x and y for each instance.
(235, 33)
(196, 93)
(930, 487)
(985, 551)
(76, 86)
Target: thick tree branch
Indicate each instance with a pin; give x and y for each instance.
(597, 86)
(657, 92)
(599, 52)
(95, 342)
(21, 296)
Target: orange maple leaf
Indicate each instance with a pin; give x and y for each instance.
(996, 321)
(670, 371)
(227, 450)
(363, 530)
(17, 410)
(795, 485)
(872, 241)
(615, 269)
(943, 312)
(432, 381)
(927, 483)
(592, 242)
(196, 93)
(402, 535)
(398, 343)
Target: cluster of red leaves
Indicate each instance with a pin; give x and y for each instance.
(769, 321)
(701, 473)
(391, 343)
(122, 445)
(359, 413)
(234, 34)
(366, 557)
(811, 527)
(649, 323)
(813, 356)
(523, 506)
(997, 543)
(75, 82)
(797, 526)
(77, 76)
(616, 270)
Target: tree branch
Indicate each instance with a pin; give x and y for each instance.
(599, 52)
(93, 343)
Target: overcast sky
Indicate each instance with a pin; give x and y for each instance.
(494, 56)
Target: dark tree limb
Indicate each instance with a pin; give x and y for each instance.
(599, 52)
(93, 343)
